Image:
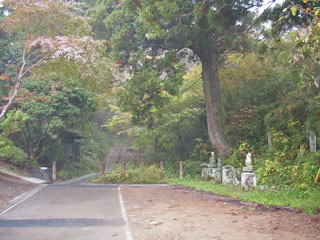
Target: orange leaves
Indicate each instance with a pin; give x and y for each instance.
(37, 16)
(4, 77)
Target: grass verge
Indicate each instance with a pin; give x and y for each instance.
(305, 201)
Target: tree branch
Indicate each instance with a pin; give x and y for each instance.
(22, 72)
(194, 10)
(17, 85)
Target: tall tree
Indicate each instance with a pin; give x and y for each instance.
(51, 108)
(44, 30)
(159, 29)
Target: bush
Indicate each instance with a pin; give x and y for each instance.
(151, 175)
(298, 173)
(192, 168)
(77, 169)
(13, 154)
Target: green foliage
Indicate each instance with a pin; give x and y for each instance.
(276, 95)
(96, 147)
(201, 151)
(149, 96)
(74, 170)
(269, 88)
(70, 73)
(12, 154)
(46, 110)
(151, 175)
(253, 87)
(171, 130)
(45, 19)
(147, 36)
(54, 34)
(237, 159)
(12, 125)
(284, 168)
(192, 169)
(52, 108)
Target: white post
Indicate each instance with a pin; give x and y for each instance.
(181, 169)
(269, 135)
(313, 141)
(54, 171)
(161, 165)
(103, 168)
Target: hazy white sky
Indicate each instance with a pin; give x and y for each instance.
(267, 3)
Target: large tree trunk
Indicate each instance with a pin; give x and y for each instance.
(214, 105)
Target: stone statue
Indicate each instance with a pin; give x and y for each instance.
(249, 160)
(212, 169)
(212, 160)
(219, 162)
(248, 167)
(248, 177)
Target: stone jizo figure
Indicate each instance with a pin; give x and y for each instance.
(213, 168)
(249, 160)
(212, 160)
(219, 162)
(248, 177)
(248, 167)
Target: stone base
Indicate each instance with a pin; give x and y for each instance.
(248, 180)
(229, 175)
(237, 179)
(247, 169)
(43, 174)
(215, 173)
(204, 172)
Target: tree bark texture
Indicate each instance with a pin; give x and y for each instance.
(214, 106)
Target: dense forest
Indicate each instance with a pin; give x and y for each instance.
(175, 79)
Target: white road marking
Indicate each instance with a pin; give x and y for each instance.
(124, 215)
(23, 197)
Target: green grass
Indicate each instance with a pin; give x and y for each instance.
(306, 201)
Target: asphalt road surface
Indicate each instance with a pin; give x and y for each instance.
(59, 212)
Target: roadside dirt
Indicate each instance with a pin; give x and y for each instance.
(12, 187)
(179, 213)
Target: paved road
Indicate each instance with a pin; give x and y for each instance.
(59, 212)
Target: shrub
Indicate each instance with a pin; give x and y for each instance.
(77, 169)
(298, 173)
(192, 168)
(151, 175)
(14, 155)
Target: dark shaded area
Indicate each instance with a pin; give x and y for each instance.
(59, 222)
(83, 186)
(44, 174)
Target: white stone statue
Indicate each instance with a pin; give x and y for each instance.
(248, 177)
(212, 160)
(249, 160)
(248, 167)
